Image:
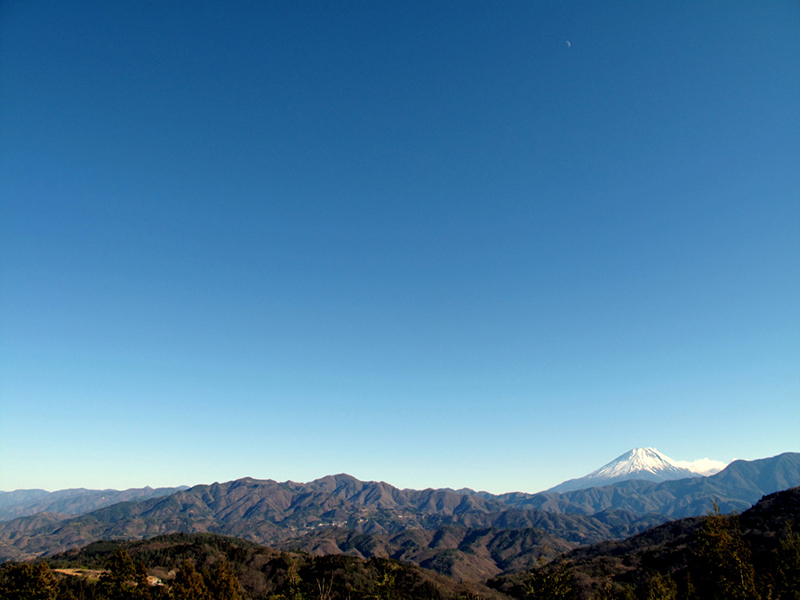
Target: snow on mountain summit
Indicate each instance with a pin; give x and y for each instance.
(638, 460)
(639, 463)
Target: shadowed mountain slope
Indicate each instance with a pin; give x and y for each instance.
(674, 554)
(762, 538)
(456, 551)
(270, 512)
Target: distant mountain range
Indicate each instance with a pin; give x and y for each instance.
(640, 463)
(456, 562)
(341, 514)
(22, 503)
(737, 487)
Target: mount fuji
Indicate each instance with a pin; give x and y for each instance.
(640, 463)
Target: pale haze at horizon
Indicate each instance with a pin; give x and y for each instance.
(431, 244)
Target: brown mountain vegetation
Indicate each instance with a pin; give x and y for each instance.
(753, 556)
(268, 512)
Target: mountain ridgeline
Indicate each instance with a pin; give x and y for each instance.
(22, 503)
(640, 463)
(752, 556)
(340, 514)
(734, 489)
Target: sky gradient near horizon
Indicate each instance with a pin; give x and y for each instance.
(440, 244)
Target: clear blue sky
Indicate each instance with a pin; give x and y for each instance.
(484, 244)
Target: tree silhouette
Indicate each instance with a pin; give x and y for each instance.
(123, 579)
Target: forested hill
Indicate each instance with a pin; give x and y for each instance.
(749, 557)
(328, 512)
(184, 566)
(269, 512)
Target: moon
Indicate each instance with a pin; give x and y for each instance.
(569, 45)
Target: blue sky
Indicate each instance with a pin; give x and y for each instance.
(483, 244)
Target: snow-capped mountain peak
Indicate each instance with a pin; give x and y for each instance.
(639, 460)
(639, 463)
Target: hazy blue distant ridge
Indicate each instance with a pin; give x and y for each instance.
(23, 503)
(737, 487)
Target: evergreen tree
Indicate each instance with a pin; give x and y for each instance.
(660, 587)
(123, 579)
(188, 584)
(548, 583)
(294, 581)
(725, 568)
(222, 584)
(141, 591)
(28, 582)
(787, 584)
(385, 580)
